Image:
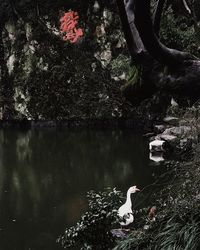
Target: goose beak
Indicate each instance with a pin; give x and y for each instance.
(137, 189)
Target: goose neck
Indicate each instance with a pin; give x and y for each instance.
(128, 198)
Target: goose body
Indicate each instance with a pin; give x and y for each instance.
(125, 212)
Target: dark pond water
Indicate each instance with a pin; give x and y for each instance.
(45, 174)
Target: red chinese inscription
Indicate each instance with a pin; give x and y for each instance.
(68, 23)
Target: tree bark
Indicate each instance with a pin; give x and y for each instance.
(157, 16)
(134, 42)
(182, 77)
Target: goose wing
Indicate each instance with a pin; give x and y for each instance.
(125, 215)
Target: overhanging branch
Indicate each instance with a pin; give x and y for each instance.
(155, 48)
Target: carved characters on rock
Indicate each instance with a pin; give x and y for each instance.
(68, 27)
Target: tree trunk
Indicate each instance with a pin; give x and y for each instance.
(182, 77)
(134, 42)
(155, 48)
(157, 16)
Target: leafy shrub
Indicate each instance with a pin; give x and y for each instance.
(135, 241)
(179, 235)
(93, 229)
(164, 235)
(177, 224)
(178, 33)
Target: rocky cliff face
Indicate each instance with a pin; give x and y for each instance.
(46, 78)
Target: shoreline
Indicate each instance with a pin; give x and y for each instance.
(117, 123)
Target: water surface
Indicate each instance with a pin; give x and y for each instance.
(45, 174)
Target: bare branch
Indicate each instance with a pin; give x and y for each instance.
(186, 7)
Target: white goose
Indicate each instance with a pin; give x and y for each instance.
(125, 212)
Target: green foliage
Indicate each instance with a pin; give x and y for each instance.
(136, 240)
(135, 75)
(93, 229)
(179, 235)
(120, 64)
(46, 71)
(177, 228)
(178, 33)
(177, 225)
(69, 90)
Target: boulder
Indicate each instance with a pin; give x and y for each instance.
(167, 138)
(171, 120)
(181, 131)
(159, 128)
(157, 146)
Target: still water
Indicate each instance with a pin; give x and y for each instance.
(45, 174)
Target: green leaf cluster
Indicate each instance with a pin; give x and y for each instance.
(92, 231)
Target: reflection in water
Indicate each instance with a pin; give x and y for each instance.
(44, 175)
(156, 157)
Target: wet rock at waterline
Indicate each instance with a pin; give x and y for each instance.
(159, 128)
(174, 139)
(181, 131)
(166, 137)
(171, 120)
(157, 146)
